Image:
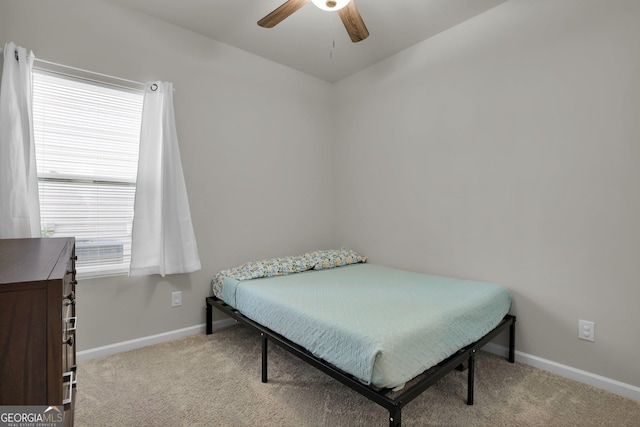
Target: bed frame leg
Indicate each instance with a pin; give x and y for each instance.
(209, 318)
(512, 341)
(264, 357)
(471, 376)
(395, 418)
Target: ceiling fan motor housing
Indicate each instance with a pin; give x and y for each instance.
(330, 5)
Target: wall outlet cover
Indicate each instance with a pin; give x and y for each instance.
(176, 299)
(586, 330)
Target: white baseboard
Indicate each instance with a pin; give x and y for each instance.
(617, 387)
(107, 350)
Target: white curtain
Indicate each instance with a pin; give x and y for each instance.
(19, 202)
(163, 241)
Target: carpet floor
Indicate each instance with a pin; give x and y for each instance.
(214, 380)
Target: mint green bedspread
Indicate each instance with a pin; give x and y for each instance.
(383, 325)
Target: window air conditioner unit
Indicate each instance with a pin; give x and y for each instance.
(104, 251)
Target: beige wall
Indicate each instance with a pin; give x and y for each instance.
(504, 149)
(507, 149)
(247, 127)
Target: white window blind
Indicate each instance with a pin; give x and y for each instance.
(87, 136)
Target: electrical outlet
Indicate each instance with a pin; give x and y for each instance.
(586, 330)
(176, 299)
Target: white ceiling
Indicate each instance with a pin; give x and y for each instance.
(312, 40)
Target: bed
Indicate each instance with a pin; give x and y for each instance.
(387, 333)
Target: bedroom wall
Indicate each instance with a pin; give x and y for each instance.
(506, 150)
(252, 139)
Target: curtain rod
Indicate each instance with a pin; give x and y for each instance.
(55, 64)
(81, 70)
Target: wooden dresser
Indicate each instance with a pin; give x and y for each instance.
(38, 323)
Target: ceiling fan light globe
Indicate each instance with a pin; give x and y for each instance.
(330, 5)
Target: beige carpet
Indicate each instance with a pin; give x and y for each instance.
(215, 381)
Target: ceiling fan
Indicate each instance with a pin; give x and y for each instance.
(346, 9)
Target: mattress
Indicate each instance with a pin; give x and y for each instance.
(382, 325)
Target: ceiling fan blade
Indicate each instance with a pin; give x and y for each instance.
(278, 15)
(353, 22)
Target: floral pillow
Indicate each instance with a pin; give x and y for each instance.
(265, 268)
(317, 260)
(321, 260)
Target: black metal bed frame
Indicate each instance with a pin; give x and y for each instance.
(393, 404)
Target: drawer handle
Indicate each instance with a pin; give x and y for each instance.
(73, 321)
(69, 341)
(70, 297)
(71, 381)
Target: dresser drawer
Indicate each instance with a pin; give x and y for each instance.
(69, 280)
(69, 345)
(69, 409)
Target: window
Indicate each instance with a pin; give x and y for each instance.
(87, 136)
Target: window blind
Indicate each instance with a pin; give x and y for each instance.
(87, 136)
